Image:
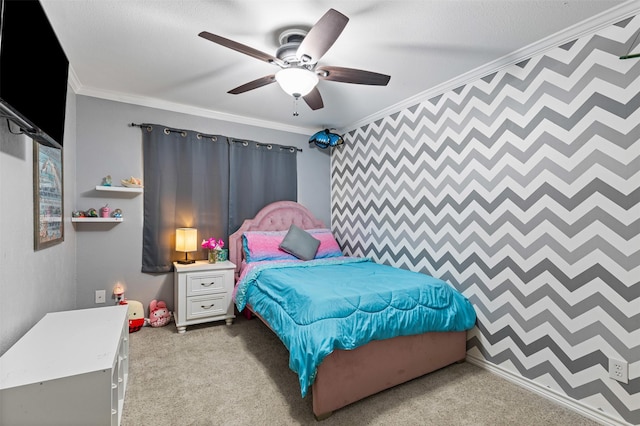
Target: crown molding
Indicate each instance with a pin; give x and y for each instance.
(181, 108)
(73, 80)
(586, 27)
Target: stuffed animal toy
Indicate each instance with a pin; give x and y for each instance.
(136, 314)
(159, 314)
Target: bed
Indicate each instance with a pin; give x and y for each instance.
(346, 372)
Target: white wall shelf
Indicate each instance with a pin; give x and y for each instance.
(97, 219)
(105, 188)
(118, 189)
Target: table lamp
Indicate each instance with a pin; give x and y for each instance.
(186, 241)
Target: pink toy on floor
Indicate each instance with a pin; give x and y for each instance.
(159, 314)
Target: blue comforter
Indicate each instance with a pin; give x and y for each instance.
(341, 303)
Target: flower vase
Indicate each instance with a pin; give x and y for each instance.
(213, 256)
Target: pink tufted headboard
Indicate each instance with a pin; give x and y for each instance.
(276, 216)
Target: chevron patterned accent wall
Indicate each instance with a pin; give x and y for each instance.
(521, 189)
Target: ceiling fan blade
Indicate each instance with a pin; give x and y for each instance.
(313, 99)
(321, 37)
(239, 47)
(350, 75)
(262, 81)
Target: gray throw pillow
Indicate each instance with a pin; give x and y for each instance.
(300, 243)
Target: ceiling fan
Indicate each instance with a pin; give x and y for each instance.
(298, 57)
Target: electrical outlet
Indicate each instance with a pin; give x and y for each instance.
(101, 296)
(619, 370)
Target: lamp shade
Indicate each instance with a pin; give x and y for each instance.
(296, 81)
(324, 139)
(186, 239)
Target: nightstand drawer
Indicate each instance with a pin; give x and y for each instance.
(207, 306)
(205, 283)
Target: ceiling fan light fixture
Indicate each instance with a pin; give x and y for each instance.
(325, 139)
(296, 81)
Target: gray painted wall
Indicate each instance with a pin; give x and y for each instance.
(521, 189)
(32, 283)
(107, 145)
(98, 142)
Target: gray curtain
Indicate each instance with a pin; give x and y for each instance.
(208, 182)
(259, 174)
(186, 180)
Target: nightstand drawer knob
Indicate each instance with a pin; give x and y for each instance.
(208, 284)
(207, 307)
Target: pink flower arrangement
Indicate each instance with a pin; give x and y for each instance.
(212, 244)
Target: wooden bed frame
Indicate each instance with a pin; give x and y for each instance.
(348, 376)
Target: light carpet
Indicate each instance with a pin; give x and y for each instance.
(216, 374)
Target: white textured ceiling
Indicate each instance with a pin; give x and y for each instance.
(148, 51)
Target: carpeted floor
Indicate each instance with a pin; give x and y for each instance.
(238, 375)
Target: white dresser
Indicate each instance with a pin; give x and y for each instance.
(71, 368)
(203, 293)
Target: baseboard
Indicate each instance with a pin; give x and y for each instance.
(551, 394)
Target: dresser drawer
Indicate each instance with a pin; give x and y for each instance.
(207, 306)
(205, 283)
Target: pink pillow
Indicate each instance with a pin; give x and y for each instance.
(264, 245)
(328, 245)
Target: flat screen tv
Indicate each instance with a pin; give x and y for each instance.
(33, 72)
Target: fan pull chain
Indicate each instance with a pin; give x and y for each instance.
(295, 106)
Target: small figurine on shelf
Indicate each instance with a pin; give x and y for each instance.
(132, 182)
(91, 213)
(106, 181)
(117, 213)
(77, 213)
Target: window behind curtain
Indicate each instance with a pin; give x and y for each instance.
(208, 183)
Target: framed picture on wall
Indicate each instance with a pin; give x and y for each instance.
(48, 212)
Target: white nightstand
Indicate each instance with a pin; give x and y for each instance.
(203, 293)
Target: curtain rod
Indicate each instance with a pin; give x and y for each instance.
(168, 130)
(245, 143)
(268, 145)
